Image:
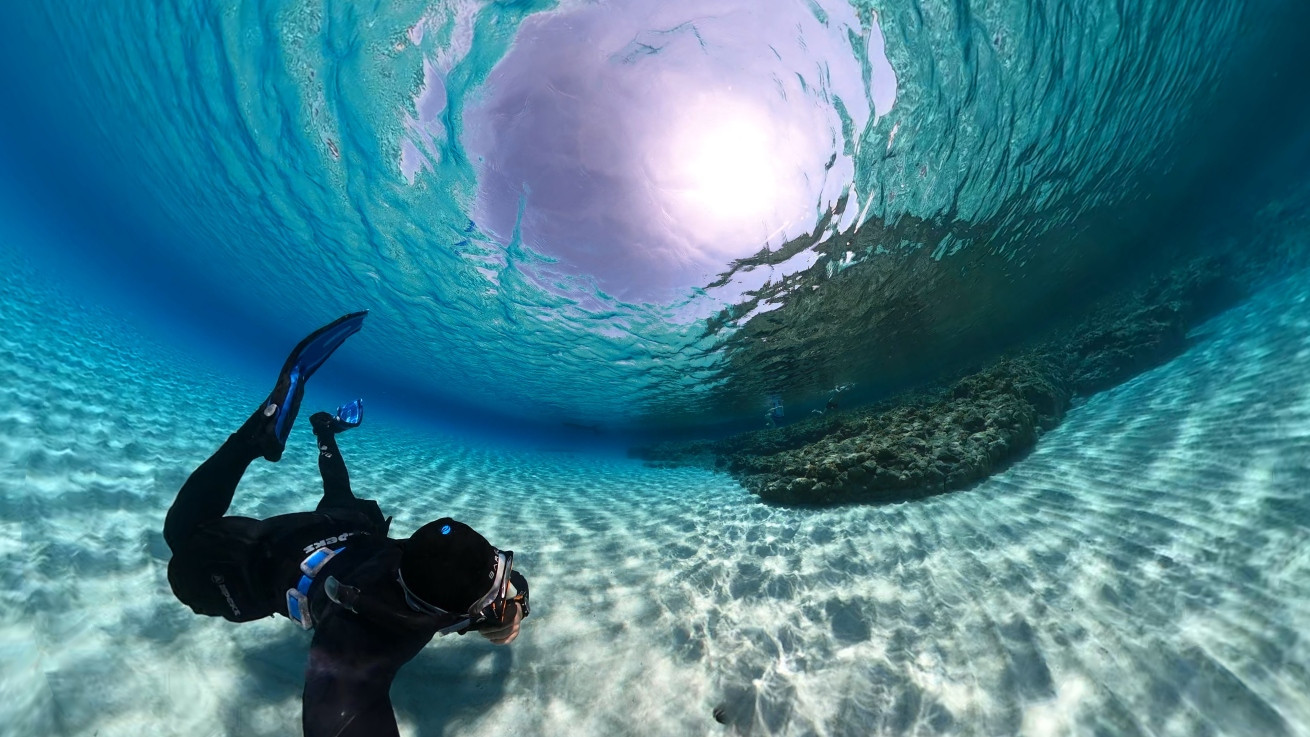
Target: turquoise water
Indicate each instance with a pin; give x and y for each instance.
(579, 225)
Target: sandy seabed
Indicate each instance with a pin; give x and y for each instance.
(1146, 571)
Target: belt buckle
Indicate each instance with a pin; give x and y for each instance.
(298, 608)
(298, 597)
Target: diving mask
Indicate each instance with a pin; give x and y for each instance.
(507, 586)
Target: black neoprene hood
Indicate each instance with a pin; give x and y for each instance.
(448, 564)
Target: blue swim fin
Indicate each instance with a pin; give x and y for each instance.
(284, 402)
(350, 414)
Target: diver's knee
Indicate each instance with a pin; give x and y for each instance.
(173, 534)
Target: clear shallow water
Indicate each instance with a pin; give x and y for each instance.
(1144, 571)
(210, 181)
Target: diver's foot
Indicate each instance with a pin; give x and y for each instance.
(273, 421)
(268, 439)
(348, 415)
(257, 434)
(280, 409)
(325, 424)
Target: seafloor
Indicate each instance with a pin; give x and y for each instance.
(1145, 571)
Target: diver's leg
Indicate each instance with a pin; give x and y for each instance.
(336, 479)
(337, 494)
(352, 663)
(344, 718)
(208, 492)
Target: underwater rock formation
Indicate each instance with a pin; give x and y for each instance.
(949, 436)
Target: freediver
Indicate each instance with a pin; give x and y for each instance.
(832, 404)
(372, 602)
(774, 415)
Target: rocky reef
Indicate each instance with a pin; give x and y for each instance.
(950, 435)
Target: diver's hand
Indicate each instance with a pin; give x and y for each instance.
(504, 633)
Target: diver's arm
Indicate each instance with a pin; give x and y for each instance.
(385, 613)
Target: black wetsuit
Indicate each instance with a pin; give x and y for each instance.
(240, 568)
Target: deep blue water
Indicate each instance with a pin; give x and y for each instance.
(648, 219)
